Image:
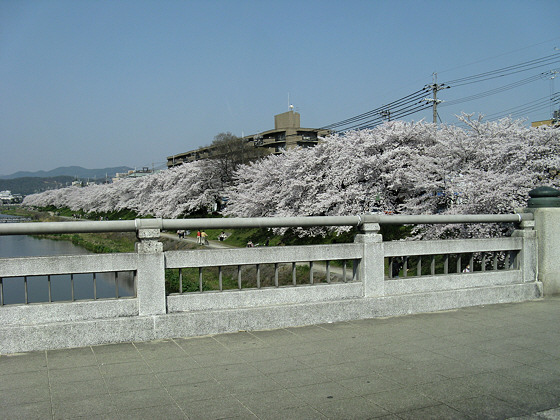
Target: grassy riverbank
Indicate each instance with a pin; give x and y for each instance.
(99, 243)
(114, 242)
(124, 242)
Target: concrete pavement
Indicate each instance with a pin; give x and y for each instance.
(492, 362)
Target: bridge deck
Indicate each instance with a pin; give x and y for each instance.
(497, 361)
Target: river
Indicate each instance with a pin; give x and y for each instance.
(13, 289)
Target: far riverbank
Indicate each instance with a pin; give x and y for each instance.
(111, 242)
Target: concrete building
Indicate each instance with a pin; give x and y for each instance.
(287, 134)
(6, 197)
(136, 173)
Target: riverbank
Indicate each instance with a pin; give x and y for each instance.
(111, 242)
(114, 242)
(99, 243)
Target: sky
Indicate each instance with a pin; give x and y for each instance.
(99, 83)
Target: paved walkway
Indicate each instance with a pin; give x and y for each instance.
(190, 239)
(496, 362)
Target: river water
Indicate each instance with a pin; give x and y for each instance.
(13, 289)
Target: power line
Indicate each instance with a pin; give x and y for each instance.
(402, 112)
(396, 113)
(415, 102)
(435, 88)
(499, 55)
(520, 110)
(404, 100)
(505, 71)
(518, 107)
(496, 90)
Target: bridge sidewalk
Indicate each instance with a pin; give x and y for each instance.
(498, 361)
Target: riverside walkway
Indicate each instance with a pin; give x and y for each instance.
(486, 362)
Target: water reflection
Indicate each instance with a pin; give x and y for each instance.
(62, 287)
(59, 288)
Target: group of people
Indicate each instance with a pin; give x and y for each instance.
(250, 244)
(201, 238)
(181, 233)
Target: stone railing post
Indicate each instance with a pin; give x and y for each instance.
(527, 257)
(545, 206)
(372, 272)
(150, 286)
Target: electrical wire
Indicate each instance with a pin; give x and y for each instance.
(499, 55)
(415, 102)
(403, 112)
(522, 110)
(404, 100)
(543, 100)
(519, 110)
(495, 90)
(505, 71)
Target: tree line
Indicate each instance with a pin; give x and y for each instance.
(398, 167)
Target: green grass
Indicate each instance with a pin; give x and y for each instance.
(104, 243)
(259, 236)
(211, 281)
(99, 243)
(114, 215)
(453, 259)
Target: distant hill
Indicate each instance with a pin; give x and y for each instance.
(30, 185)
(71, 171)
(32, 182)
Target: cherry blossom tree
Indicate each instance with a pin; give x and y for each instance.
(171, 193)
(398, 167)
(411, 168)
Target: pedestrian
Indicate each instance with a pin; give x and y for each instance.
(467, 269)
(397, 265)
(198, 238)
(204, 238)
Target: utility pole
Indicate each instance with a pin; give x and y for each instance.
(553, 75)
(434, 87)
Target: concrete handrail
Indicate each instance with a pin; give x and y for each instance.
(257, 222)
(399, 219)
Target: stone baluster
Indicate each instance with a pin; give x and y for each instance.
(545, 206)
(371, 271)
(150, 277)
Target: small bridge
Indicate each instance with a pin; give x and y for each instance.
(266, 287)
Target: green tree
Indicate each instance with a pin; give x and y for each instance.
(230, 151)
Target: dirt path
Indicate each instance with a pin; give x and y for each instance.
(192, 241)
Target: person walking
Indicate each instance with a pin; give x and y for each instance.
(204, 238)
(198, 237)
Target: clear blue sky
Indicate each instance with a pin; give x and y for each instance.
(130, 82)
